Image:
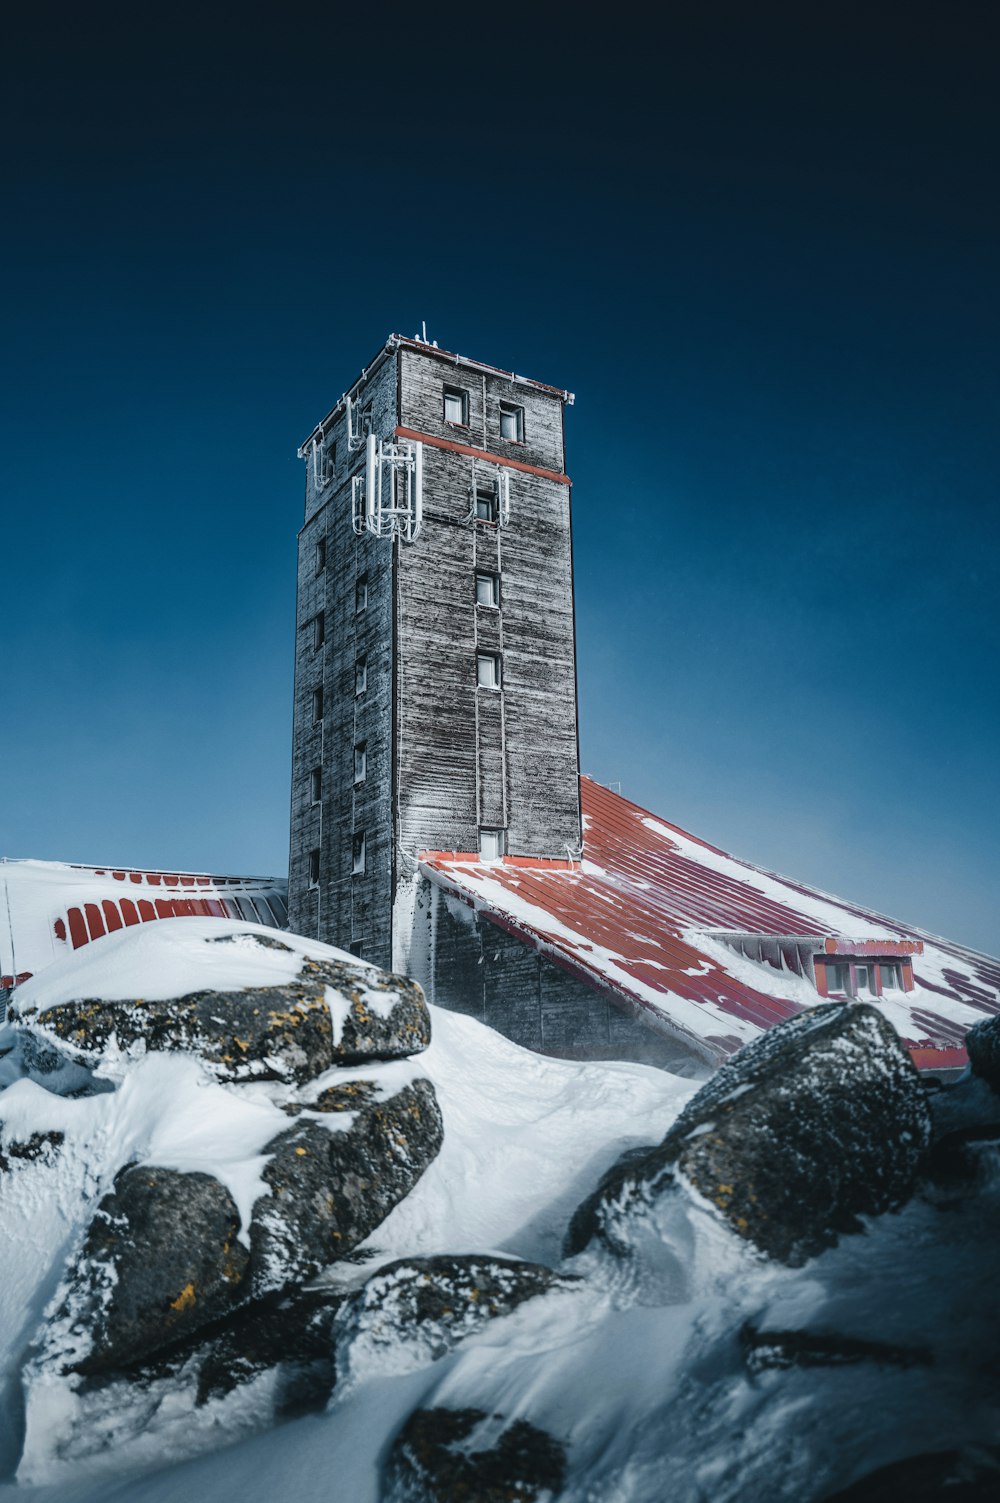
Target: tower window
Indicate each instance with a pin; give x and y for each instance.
(491, 844)
(314, 868)
(316, 784)
(321, 555)
(361, 761)
(361, 594)
(488, 589)
(360, 675)
(486, 504)
(319, 630)
(456, 406)
(358, 854)
(488, 672)
(329, 461)
(511, 423)
(317, 706)
(357, 947)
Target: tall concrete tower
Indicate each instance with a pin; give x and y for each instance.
(435, 670)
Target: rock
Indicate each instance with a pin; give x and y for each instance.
(424, 1307)
(160, 1259)
(960, 1159)
(815, 1124)
(982, 1043)
(763, 1350)
(269, 1361)
(968, 1476)
(432, 1460)
(41, 1145)
(334, 1012)
(330, 1188)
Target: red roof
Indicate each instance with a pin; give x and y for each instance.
(643, 913)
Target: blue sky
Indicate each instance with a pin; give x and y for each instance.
(758, 243)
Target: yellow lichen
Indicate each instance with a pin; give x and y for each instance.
(185, 1299)
(301, 1152)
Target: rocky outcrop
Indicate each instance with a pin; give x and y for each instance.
(764, 1350)
(424, 1307)
(330, 1189)
(161, 1258)
(467, 1456)
(982, 1043)
(334, 1012)
(812, 1126)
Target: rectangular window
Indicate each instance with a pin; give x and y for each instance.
(486, 504)
(360, 676)
(321, 555)
(316, 784)
(488, 589)
(511, 423)
(357, 948)
(361, 594)
(319, 630)
(890, 975)
(358, 854)
(488, 670)
(838, 979)
(314, 868)
(491, 844)
(456, 406)
(317, 706)
(361, 761)
(865, 977)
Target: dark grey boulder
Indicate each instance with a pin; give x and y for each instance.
(431, 1304)
(468, 1456)
(334, 1012)
(765, 1350)
(968, 1476)
(160, 1259)
(330, 1189)
(982, 1043)
(817, 1123)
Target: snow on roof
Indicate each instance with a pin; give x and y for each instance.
(651, 913)
(48, 908)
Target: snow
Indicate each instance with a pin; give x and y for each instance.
(637, 1370)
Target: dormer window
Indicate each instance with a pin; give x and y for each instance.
(456, 406)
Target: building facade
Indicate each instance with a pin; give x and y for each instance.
(435, 671)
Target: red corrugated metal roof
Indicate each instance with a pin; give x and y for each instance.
(636, 916)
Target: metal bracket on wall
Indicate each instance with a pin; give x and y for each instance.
(403, 462)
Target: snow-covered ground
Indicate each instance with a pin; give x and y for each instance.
(638, 1371)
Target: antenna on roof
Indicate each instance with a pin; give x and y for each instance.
(423, 329)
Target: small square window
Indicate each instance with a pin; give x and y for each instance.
(319, 630)
(321, 555)
(358, 854)
(317, 706)
(486, 504)
(316, 784)
(456, 406)
(361, 594)
(488, 589)
(361, 761)
(511, 423)
(360, 675)
(314, 868)
(491, 844)
(488, 670)
(838, 979)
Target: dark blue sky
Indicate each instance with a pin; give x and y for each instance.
(759, 243)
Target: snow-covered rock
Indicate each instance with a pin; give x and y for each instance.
(317, 1008)
(451, 1455)
(983, 1045)
(813, 1125)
